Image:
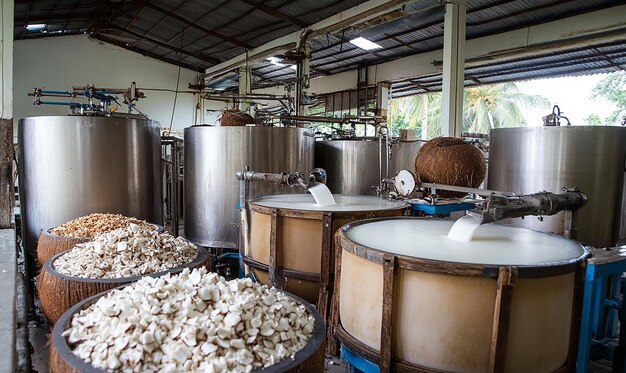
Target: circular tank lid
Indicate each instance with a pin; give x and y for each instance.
(492, 244)
(344, 203)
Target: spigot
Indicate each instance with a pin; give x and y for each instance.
(318, 175)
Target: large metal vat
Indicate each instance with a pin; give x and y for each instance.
(527, 160)
(411, 299)
(353, 165)
(70, 166)
(212, 157)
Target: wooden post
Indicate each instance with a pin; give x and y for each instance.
(7, 194)
(577, 310)
(386, 330)
(326, 265)
(332, 345)
(273, 264)
(501, 318)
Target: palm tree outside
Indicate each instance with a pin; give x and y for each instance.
(485, 107)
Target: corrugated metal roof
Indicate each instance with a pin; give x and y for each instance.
(198, 33)
(580, 61)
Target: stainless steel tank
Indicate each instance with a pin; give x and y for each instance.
(212, 157)
(403, 156)
(527, 160)
(70, 166)
(353, 165)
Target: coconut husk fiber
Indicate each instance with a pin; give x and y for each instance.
(59, 292)
(50, 244)
(234, 117)
(450, 161)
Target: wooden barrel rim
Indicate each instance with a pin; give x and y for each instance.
(47, 233)
(202, 257)
(361, 349)
(453, 268)
(286, 364)
(319, 215)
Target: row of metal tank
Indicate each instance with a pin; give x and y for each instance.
(74, 165)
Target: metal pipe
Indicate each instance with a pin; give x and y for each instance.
(345, 120)
(175, 188)
(477, 191)
(262, 176)
(380, 164)
(174, 143)
(388, 151)
(544, 203)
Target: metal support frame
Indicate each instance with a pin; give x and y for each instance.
(302, 79)
(602, 306)
(245, 87)
(382, 99)
(453, 66)
(172, 169)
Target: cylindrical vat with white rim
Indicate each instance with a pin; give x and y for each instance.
(408, 297)
(291, 242)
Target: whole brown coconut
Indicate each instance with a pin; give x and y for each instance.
(234, 117)
(450, 161)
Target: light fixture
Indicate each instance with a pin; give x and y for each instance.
(277, 61)
(36, 27)
(365, 44)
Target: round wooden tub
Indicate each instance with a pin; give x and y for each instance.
(50, 244)
(407, 297)
(308, 359)
(291, 243)
(59, 292)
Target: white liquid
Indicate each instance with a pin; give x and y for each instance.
(344, 203)
(322, 195)
(492, 243)
(463, 229)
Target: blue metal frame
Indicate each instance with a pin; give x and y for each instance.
(242, 273)
(595, 328)
(356, 363)
(442, 209)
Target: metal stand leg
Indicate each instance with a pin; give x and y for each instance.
(620, 351)
(356, 363)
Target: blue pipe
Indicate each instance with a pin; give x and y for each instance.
(51, 92)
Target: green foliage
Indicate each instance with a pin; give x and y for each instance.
(497, 105)
(593, 120)
(421, 113)
(613, 89)
(485, 107)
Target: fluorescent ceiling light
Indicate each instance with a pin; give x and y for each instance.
(365, 44)
(277, 61)
(36, 27)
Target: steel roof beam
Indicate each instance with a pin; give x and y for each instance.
(203, 29)
(163, 44)
(359, 13)
(274, 13)
(144, 52)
